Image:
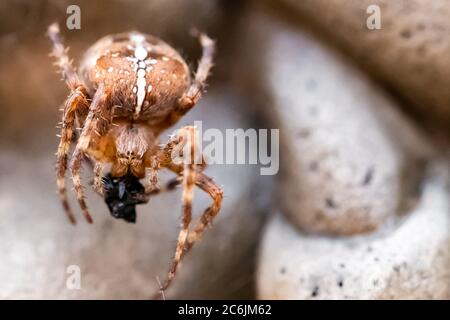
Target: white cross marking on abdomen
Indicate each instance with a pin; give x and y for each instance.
(140, 53)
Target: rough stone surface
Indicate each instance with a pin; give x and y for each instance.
(409, 52)
(407, 260)
(348, 158)
(120, 260)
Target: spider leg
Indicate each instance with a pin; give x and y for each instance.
(69, 73)
(77, 100)
(152, 178)
(216, 193)
(208, 185)
(98, 119)
(98, 184)
(205, 64)
(185, 222)
(170, 185)
(76, 104)
(185, 139)
(195, 90)
(75, 168)
(152, 187)
(96, 124)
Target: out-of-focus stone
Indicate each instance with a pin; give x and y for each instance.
(120, 260)
(348, 159)
(408, 260)
(409, 52)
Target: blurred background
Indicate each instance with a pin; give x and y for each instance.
(364, 119)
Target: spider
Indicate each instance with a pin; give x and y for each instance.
(129, 88)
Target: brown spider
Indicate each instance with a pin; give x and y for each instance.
(130, 88)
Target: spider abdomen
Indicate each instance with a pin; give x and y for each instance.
(145, 75)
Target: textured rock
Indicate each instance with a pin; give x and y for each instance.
(410, 52)
(347, 158)
(120, 260)
(407, 260)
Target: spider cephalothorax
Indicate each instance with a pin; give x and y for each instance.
(131, 87)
